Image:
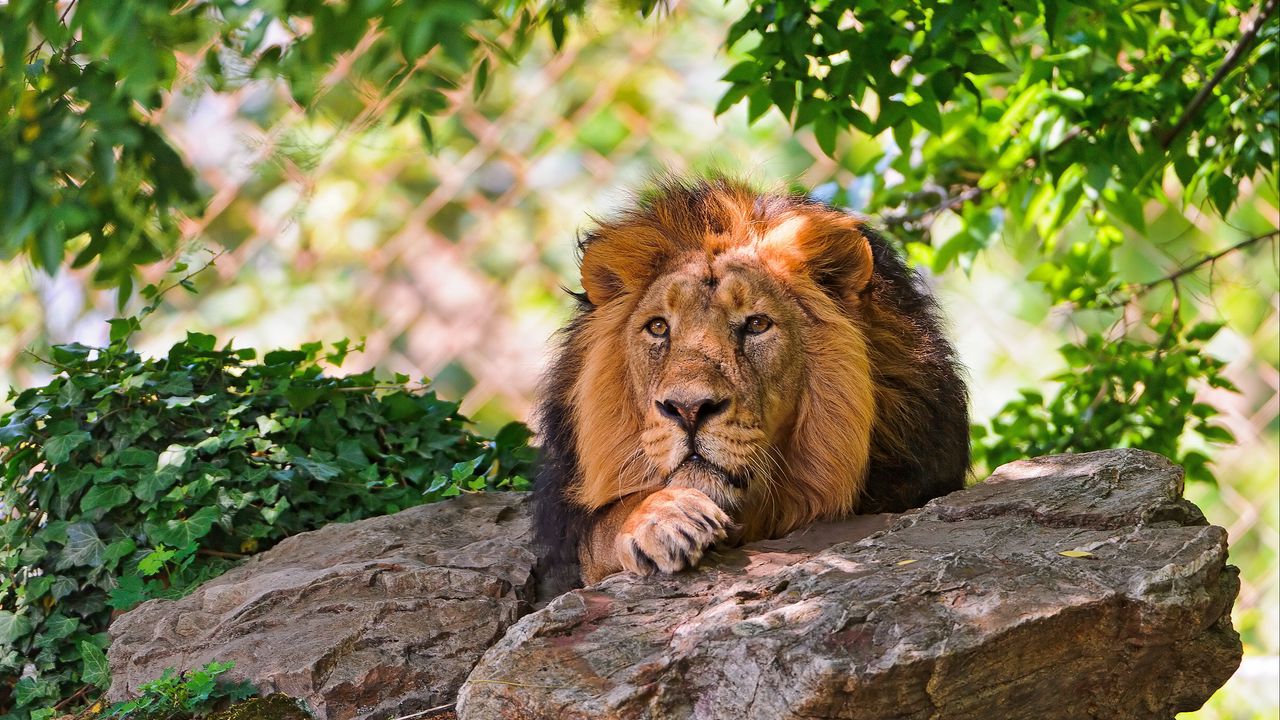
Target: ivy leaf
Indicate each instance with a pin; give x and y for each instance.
(129, 592)
(104, 497)
(56, 627)
(12, 627)
(29, 690)
(152, 484)
(317, 469)
(184, 531)
(95, 672)
(62, 587)
(83, 547)
(58, 449)
(173, 459)
(118, 550)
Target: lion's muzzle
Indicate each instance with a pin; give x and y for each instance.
(689, 414)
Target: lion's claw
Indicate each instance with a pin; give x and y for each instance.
(670, 531)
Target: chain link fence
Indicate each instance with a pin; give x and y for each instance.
(449, 264)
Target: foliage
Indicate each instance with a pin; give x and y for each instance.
(190, 694)
(84, 166)
(1046, 110)
(1021, 119)
(128, 477)
(1103, 389)
(1020, 124)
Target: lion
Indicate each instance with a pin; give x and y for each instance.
(740, 364)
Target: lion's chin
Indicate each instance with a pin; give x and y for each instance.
(724, 489)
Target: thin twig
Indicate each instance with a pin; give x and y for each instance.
(46, 361)
(221, 554)
(155, 299)
(67, 701)
(31, 56)
(948, 203)
(1137, 291)
(1228, 64)
(384, 386)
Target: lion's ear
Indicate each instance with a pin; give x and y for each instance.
(831, 248)
(621, 260)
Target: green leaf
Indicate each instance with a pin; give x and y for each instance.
(199, 342)
(96, 672)
(122, 328)
(558, 30)
(104, 497)
(1204, 331)
(983, 64)
(58, 449)
(179, 532)
(172, 461)
(13, 628)
(1217, 433)
(926, 114)
(155, 560)
(824, 130)
(151, 484)
(128, 593)
(83, 547)
(317, 469)
(56, 627)
(118, 550)
(731, 97)
(50, 247)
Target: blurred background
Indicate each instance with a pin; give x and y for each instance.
(450, 262)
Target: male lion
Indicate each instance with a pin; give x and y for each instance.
(740, 364)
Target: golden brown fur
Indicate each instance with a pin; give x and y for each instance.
(742, 365)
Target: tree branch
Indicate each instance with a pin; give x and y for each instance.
(31, 56)
(1228, 64)
(1137, 291)
(969, 194)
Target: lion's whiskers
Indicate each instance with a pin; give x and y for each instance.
(783, 468)
(625, 468)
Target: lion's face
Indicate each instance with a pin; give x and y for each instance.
(715, 361)
(723, 351)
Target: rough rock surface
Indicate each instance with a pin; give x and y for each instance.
(373, 619)
(967, 608)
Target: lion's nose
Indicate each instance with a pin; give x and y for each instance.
(690, 413)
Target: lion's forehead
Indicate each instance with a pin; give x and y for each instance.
(713, 289)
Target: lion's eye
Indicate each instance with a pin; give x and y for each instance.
(757, 324)
(657, 327)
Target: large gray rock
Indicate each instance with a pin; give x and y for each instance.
(968, 608)
(373, 619)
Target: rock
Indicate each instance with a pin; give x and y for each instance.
(372, 619)
(271, 707)
(967, 608)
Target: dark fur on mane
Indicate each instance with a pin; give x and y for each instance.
(937, 457)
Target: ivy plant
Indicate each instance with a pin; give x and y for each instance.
(129, 477)
(191, 694)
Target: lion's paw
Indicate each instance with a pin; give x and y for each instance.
(670, 530)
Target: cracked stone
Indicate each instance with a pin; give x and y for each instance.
(373, 619)
(966, 608)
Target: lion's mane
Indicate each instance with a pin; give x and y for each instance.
(919, 430)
